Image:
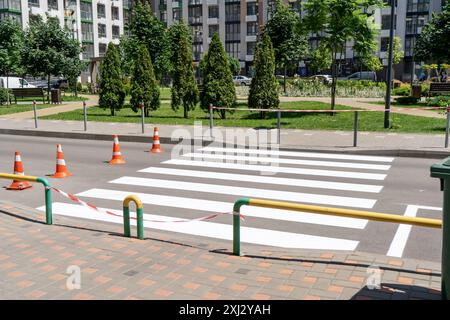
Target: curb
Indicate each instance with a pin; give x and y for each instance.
(411, 153)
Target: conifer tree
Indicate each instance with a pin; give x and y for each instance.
(144, 87)
(111, 90)
(184, 87)
(218, 86)
(264, 87)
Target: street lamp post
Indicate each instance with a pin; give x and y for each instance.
(389, 71)
(74, 31)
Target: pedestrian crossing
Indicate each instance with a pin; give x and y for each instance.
(209, 180)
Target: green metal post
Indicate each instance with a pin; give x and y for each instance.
(237, 225)
(126, 221)
(442, 171)
(445, 268)
(48, 200)
(140, 223)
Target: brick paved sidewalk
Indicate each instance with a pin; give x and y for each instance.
(34, 259)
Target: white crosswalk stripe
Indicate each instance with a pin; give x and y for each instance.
(268, 180)
(298, 154)
(277, 160)
(216, 230)
(276, 169)
(248, 192)
(219, 206)
(185, 188)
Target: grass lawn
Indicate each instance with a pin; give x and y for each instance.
(16, 108)
(400, 105)
(368, 121)
(165, 93)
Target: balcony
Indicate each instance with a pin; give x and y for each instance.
(251, 18)
(212, 21)
(250, 38)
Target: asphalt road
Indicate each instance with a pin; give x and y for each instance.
(182, 188)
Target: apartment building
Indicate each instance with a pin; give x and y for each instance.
(94, 23)
(239, 21)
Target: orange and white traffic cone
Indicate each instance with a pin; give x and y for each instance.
(61, 169)
(18, 169)
(117, 155)
(156, 147)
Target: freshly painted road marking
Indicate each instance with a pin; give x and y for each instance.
(300, 154)
(219, 206)
(264, 179)
(277, 169)
(274, 159)
(215, 230)
(248, 192)
(398, 244)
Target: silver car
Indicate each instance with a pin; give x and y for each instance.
(242, 80)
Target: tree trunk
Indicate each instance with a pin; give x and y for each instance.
(48, 88)
(284, 80)
(147, 111)
(333, 84)
(112, 112)
(185, 112)
(223, 114)
(7, 89)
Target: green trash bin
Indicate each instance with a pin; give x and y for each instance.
(442, 171)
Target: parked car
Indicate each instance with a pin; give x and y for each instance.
(242, 80)
(14, 82)
(325, 78)
(362, 75)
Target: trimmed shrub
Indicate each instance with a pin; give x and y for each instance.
(439, 101)
(4, 95)
(403, 91)
(407, 100)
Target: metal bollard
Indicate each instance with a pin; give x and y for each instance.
(35, 114)
(447, 128)
(442, 171)
(355, 130)
(211, 120)
(139, 216)
(85, 115)
(142, 116)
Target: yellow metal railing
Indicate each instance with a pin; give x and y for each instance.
(376, 216)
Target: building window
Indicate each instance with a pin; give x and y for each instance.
(52, 4)
(213, 11)
(195, 15)
(414, 24)
(197, 34)
(233, 49)
(418, 6)
(87, 33)
(251, 46)
(101, 30)
(384, 44)
(10, 15)
(88, 51)
(386, 22)
(252, 8)
(101, 11)
(252, 28)
(176, 14)
(102, 49)
(163, 16)
(33, 3)
(410, 42)
(115, 13)
(213, 28)
(115, 32)
(233, 32)
(10, 4)
(86, 11)
(197, 50)
(233, 12)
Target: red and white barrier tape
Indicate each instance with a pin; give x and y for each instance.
(92, 207)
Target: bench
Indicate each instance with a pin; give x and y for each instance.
(439, 88)
(28, 92)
